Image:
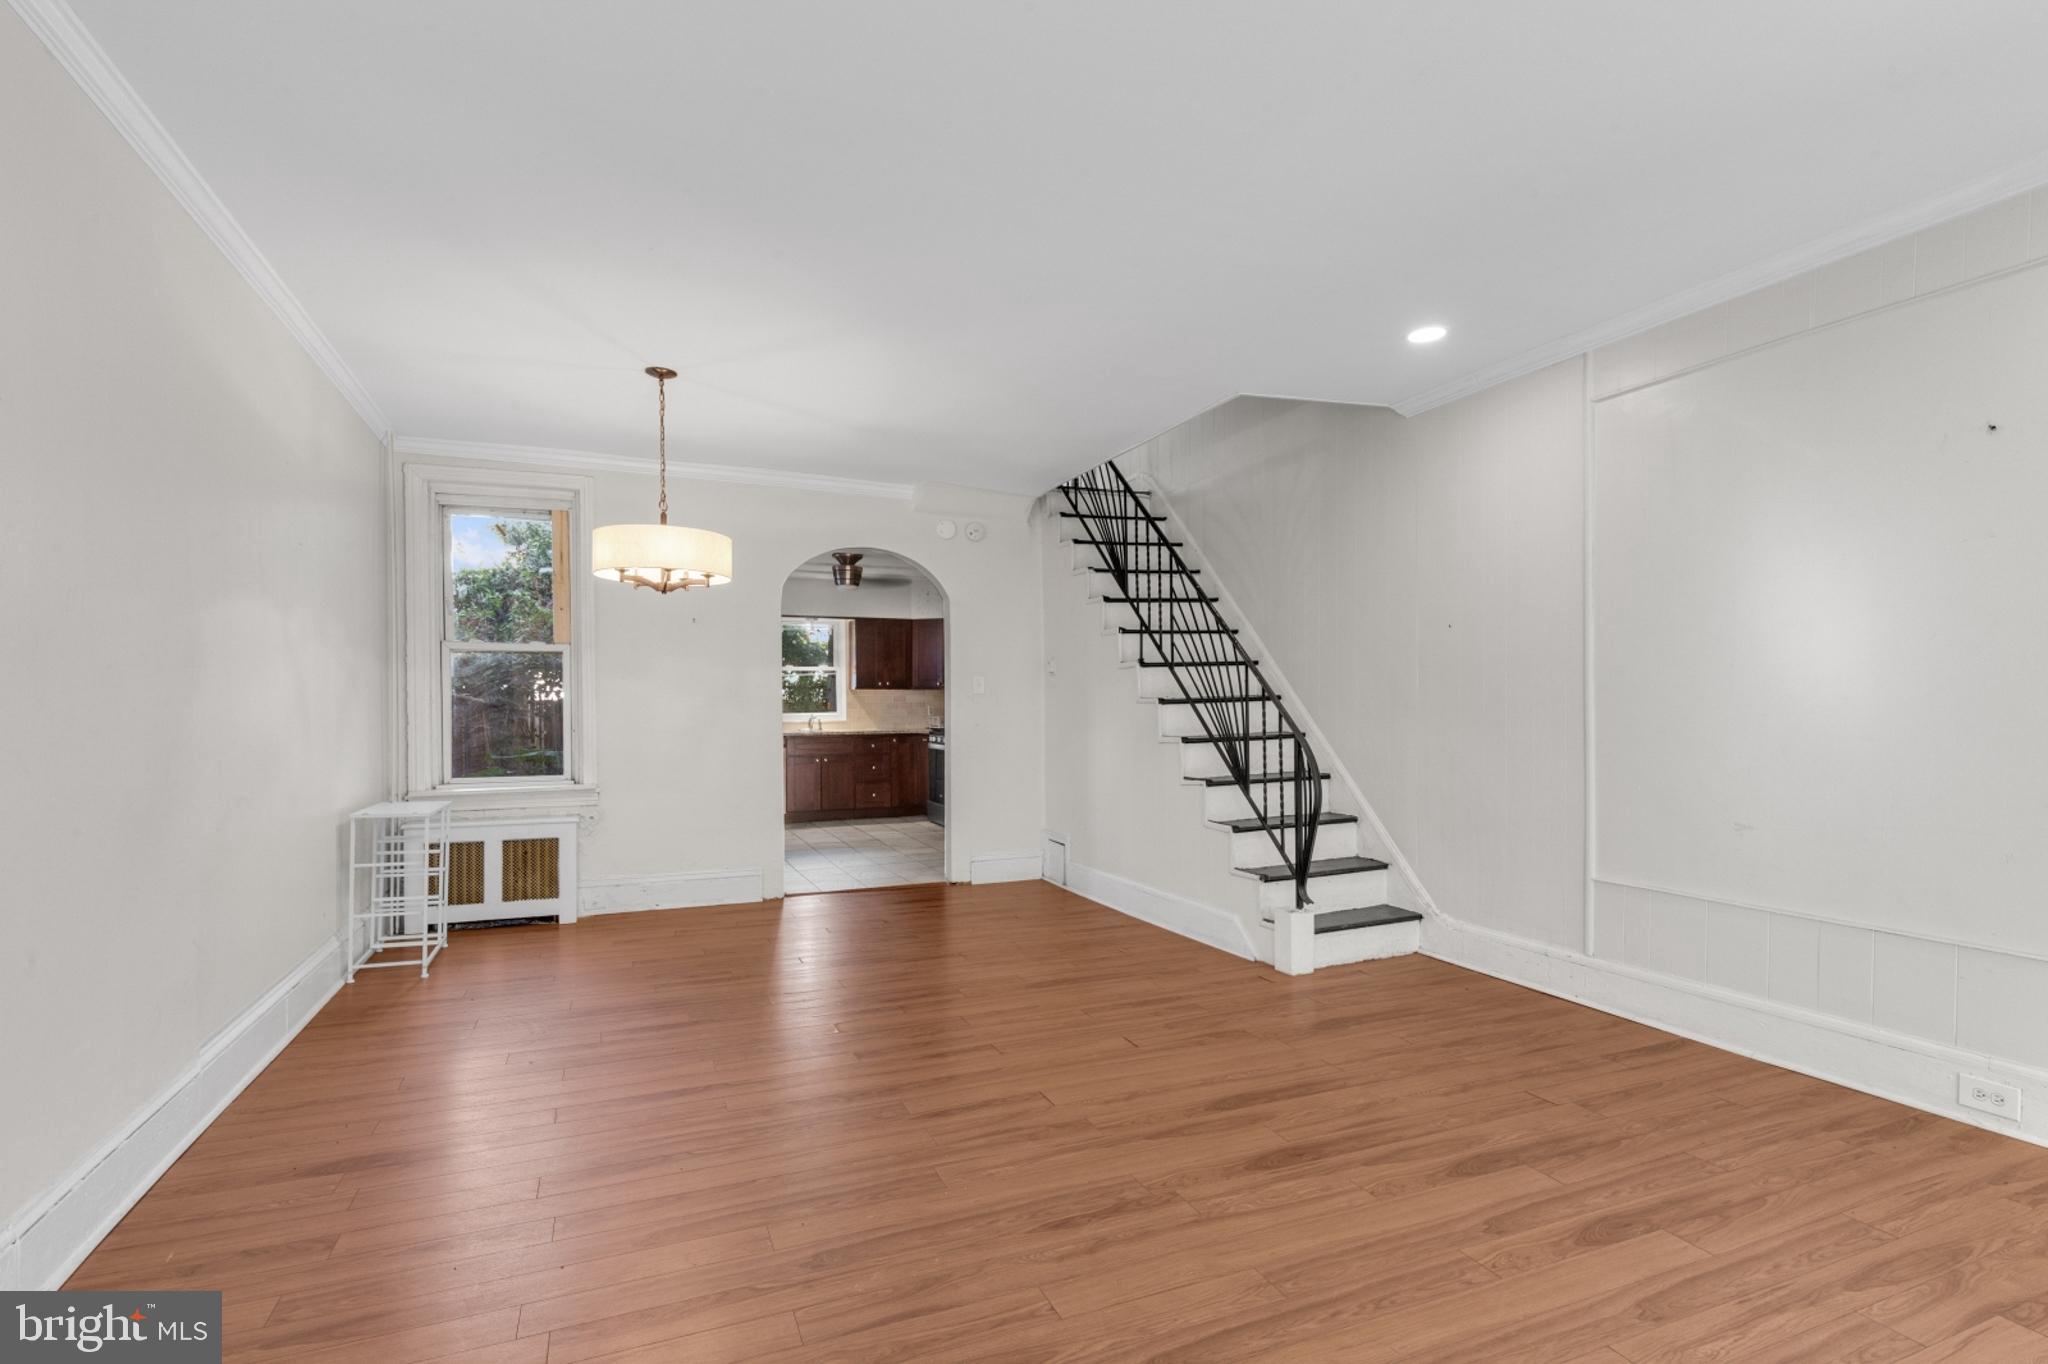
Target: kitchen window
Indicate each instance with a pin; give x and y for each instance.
(813, 666)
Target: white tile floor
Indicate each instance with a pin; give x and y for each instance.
(856, 853)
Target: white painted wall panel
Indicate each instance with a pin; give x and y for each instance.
(2002, 1006)
(1795, 962)
(1913, 986)
(1818, 582)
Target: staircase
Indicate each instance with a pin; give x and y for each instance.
(1262, 786)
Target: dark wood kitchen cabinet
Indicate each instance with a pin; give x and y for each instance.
(911, 770)
(802, 784)
(881, 654)
(838, 775)
(928, 654)
(843, 776)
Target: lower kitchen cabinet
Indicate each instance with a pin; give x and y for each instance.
(845, 776)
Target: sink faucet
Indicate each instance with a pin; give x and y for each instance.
(813, 725)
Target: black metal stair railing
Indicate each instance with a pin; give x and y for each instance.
(1179, 628)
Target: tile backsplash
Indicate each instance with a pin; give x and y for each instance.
(887, 710)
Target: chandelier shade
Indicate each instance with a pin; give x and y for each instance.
(657, 555)
(662, 557)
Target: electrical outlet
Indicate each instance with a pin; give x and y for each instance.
(1989, 1096)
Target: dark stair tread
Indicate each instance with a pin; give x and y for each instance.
(1141, 600)
(1259, 779)
(1232, 738)
(1333, 866)
(1198, 663)
(1193, 700)
(1148, 572)
(1163, 630)
(1174, 544)
(1373, 916)
(1110, 516)
(1133, 492)
(1255, 826)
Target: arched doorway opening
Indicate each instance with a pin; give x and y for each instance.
(863, 641)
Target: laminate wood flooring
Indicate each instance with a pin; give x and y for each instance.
(1004, 1123)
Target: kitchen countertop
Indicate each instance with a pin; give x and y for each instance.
(795, 731)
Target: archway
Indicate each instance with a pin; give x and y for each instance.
(863, 635)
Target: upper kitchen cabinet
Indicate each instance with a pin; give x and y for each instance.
(881, 654)
(928, 654)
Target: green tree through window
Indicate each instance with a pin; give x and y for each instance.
(505, 711)
(810, 678)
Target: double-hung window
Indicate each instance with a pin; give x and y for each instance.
(813, 669)
(497, 645)
(507, 631)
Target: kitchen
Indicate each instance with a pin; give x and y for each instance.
(863, 702)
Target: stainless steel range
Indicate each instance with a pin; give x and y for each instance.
(935, 783)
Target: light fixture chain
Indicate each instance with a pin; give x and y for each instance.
(661, 387)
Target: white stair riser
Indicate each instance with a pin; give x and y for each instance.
(1353, 890)
(1158, 682)
(1256, 849)
(1177, 722)
(1159, 615)
(1227, 802)
(1206, 760)
(1130, 648)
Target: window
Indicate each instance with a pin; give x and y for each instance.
(498, 673)
(506, 635)
(813, 655)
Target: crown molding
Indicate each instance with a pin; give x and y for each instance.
(490, 452)
(81, 55)
(2017, 179)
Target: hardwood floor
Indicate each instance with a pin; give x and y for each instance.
(1005, 1123)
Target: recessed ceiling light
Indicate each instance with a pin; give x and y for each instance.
(1422, 336)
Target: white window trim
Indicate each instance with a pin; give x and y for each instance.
(430, 491)
(842, 635)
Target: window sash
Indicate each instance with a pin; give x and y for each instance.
(836, 668)
(446, 508)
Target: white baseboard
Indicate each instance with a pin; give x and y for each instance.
(670, 890)
(51, 1236)
(1907, 1070)
(995, 867)
(1162, 909)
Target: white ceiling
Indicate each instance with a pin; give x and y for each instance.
(989, 241)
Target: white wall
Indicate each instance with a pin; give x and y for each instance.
(1818, 584)
(195, 670)
(689, 725)
(1815, 673)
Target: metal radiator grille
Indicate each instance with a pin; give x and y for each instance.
(465, 873)
(532, 869)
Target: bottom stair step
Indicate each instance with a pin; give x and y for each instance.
(1374, 916)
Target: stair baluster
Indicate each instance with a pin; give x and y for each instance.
(1179, 622)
